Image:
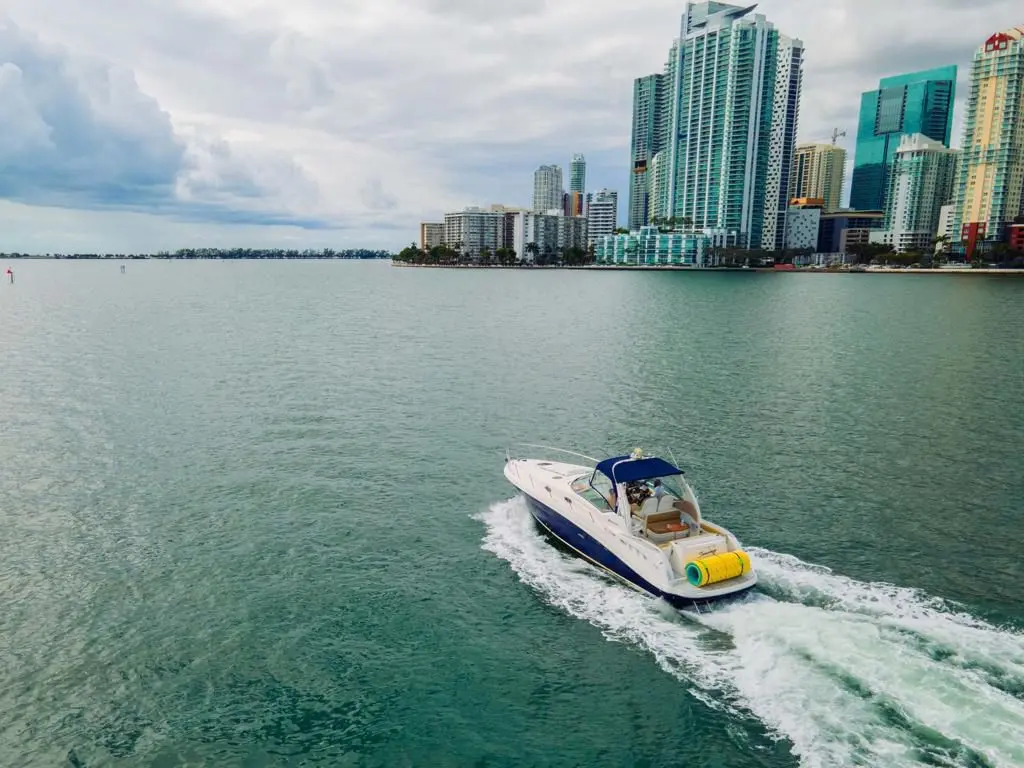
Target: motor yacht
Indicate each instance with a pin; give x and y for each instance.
(637, 518)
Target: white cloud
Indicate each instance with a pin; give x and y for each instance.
(368, 116)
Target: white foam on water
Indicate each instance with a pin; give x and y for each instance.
(852, 673)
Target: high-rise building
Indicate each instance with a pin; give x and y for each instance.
(657, 188)
(785, 111)
(536, 236)
(648, 99)
(575, 204)
(947, 216)
(602, 213)
(547, 188)
(818, 172)
(918, 102)
(733, 92)
(990, 187)
(431, 234)
(920, 183)
(578, 174)
(473, 230)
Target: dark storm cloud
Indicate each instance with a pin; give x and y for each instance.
(88, 134)
(77, 132)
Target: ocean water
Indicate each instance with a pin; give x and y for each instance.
(254, 514)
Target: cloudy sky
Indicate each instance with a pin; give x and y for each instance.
(149, 124)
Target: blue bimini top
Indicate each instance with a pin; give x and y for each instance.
(630, 469)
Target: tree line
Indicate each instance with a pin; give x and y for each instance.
(993, 252)
(219, 253)
(504, 257)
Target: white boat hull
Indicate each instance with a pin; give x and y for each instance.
(600, 538)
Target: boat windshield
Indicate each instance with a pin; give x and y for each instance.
(598, 497)
(672, 484)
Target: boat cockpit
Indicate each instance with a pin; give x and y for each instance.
(661, 506)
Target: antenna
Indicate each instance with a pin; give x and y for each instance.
(836, 133)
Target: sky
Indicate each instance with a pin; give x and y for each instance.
(142, 125)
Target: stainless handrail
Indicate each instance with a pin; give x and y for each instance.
(559, 450)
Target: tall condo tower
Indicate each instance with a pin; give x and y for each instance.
(920, 183)
(733, 96)
(547, 188)
(990, 187)
(918, 102)
(648, 119)
(818, 171)
(785, 111)
(578, 174)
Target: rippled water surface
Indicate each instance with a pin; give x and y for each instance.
(254, 514)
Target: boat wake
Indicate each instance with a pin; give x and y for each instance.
(852, 673)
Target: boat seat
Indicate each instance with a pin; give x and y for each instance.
(666, 526)
(666, 503)
(648, 508)
(687, 508)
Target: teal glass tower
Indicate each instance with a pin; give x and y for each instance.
(734, 100)
(918, 102)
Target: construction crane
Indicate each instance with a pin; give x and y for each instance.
(836, 133)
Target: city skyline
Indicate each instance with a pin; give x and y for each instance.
(181, 150)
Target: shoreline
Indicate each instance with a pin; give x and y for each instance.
(679, 268)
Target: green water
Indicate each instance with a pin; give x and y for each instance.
(253, 514)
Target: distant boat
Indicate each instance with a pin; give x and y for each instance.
(637, 518)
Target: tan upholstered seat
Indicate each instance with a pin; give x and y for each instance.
(665, 526)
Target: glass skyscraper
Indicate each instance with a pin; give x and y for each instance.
(713, 135)
(578, 174)
(648, 97)
(734, 96)
(918, 102)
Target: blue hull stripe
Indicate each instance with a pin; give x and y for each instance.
(590, 548)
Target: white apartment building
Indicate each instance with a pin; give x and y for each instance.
(602, 214)
(947, 219)
(473, 229)
(920, 184)
(552, 234)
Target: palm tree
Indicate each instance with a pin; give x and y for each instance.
(533, 249)
(1000, 252)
